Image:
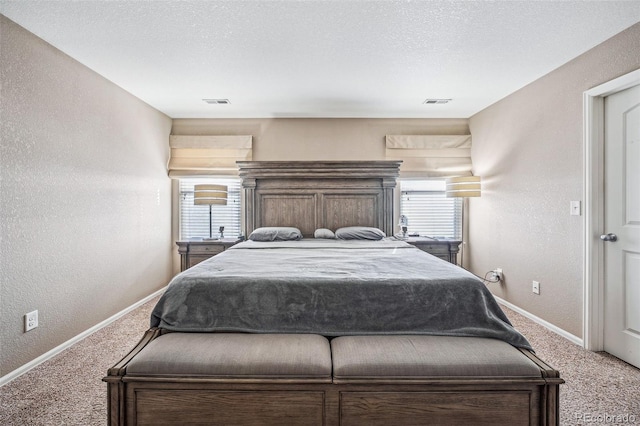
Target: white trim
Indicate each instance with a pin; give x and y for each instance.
(546, 324)
(593, 181)
(55, 351)
(593, 193)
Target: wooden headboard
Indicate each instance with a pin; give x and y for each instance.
(318, 194)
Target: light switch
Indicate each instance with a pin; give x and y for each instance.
(575, 208)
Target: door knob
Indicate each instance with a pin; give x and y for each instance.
(609, 237)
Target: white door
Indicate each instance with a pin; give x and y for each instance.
(621, 236)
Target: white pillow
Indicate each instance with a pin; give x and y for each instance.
(324, 233)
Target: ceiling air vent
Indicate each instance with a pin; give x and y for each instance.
(436, 101)
(217, 101)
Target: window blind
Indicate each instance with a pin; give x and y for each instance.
(429, 211)
(202, 155)
(194, 219)
(432, 156)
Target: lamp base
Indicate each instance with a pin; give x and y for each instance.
(210, 239)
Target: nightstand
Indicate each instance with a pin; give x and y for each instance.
(444, 248)
(195, 251)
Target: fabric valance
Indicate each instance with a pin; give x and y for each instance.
(204, 155)
(430, 155)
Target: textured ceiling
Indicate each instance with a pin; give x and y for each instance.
(322, 58)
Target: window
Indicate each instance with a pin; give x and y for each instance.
(194, 220)
(429, 211)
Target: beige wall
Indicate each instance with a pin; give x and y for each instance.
(84, 197)
(319, 138)
(528, 150)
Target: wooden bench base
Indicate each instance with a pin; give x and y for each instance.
(157, 400)
(225, 404)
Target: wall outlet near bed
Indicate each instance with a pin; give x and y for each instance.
(535, 287)
(30, 320)
(497, 274)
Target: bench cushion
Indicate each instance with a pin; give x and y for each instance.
(231, 355)
(414, 357)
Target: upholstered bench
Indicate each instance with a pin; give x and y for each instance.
(301, 379)
(420, 380)
(221, 379)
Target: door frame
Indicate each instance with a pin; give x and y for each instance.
(593, 193)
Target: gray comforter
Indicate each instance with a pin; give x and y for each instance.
(333, 288)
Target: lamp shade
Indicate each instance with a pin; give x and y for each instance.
(210, 195)
(463, 186)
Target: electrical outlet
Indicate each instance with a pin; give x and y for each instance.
(498, 272)
(536, 287)
(30, 321)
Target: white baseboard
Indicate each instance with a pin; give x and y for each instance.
(575, 339)
(55, 351)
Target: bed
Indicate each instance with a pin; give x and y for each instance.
(333, 288)
(410, 338)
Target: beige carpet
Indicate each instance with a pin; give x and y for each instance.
(599, 388)
(67, 390)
